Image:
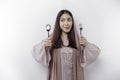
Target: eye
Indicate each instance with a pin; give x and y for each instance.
(69, 19)
(62, 20)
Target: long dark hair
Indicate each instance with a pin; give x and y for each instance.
(56, 40)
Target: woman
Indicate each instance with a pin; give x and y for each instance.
(61, 52)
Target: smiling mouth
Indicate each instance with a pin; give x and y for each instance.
(66, 27)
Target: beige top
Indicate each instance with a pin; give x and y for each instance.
(66, 61)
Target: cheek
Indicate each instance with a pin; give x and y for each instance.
(70, 28)
(70, 24)
(60, 25)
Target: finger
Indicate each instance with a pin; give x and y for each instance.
(48, 44)
(49, 38)
(48, 41)
(81, 37)
(82, 41)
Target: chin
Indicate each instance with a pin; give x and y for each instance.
(67, 31)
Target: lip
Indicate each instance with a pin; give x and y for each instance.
(66, 27)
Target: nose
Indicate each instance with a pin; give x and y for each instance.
(66, 23)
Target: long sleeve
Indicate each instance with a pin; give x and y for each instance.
(91, 53)
(40, 54)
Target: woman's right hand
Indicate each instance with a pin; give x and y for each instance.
(47, 42)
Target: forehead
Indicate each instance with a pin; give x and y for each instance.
(65, 15)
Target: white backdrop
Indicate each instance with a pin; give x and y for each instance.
(22, 25)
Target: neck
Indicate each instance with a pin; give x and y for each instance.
(64, 37)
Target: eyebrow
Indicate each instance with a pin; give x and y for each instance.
(65, 18)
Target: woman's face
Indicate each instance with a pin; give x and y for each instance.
(66, 23)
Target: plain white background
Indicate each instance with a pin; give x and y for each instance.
(22, 25)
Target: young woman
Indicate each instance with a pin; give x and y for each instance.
(61, 52)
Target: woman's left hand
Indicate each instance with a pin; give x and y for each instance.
(82, 40)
